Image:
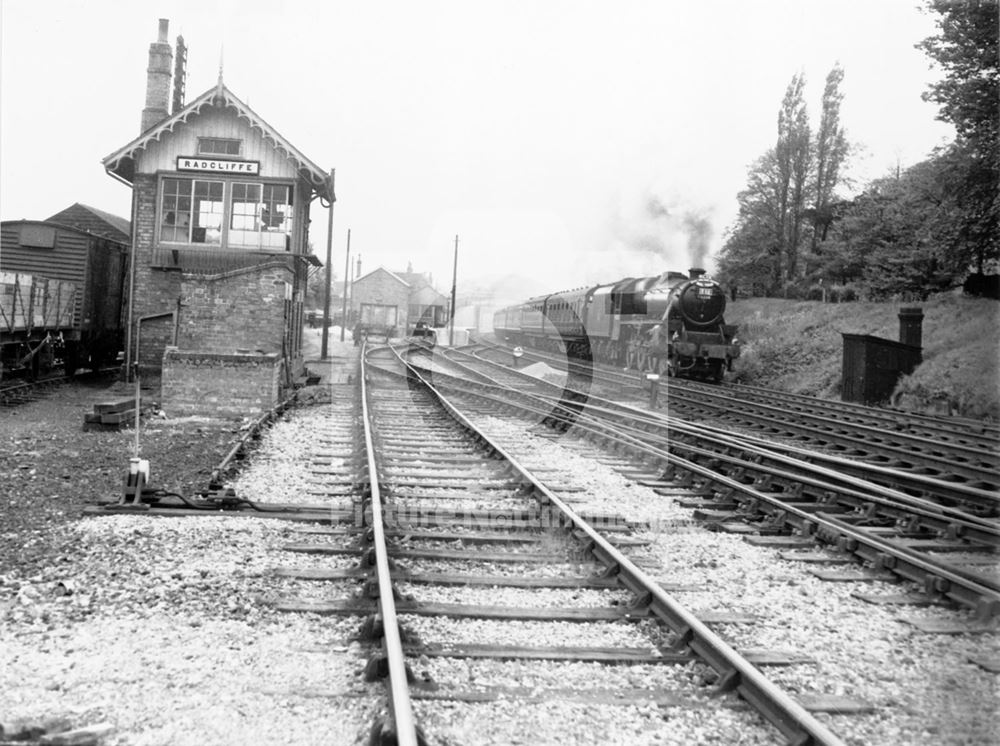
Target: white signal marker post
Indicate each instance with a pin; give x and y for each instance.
(654, 388)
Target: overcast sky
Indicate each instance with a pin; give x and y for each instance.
(539, 131)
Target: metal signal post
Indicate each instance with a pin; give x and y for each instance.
(347, 274)
(454, 280)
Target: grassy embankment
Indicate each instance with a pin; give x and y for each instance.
(796, 346)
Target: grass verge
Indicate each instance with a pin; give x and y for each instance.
(796, 346)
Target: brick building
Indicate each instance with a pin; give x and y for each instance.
(220, 216)
(425, 303)
(394, 302)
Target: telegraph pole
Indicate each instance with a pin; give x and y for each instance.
(347, 274)
(329, 270)
(454, 281)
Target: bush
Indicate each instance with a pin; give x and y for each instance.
(842, 294)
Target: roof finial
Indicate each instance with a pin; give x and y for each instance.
(222, 50)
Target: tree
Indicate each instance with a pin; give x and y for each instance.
(892, 236)
(752, 253)
(793, 158)
(838, 259)
(831, 151)
(968, 94)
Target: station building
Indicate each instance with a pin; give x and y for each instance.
(220, 219)
(383, 301)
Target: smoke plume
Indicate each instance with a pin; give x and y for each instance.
(699, 231)
(652, 230)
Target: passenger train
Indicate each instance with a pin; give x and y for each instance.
(671, 323)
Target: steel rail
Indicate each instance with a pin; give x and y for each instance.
(954, 427)
(979, 464)
(779, 453)
(787, 715)
(928, 484)
(976, 592)
(399, 689)
(961, 524)
(958, 427)
(770, 450)
(985, 530)
(23, 392)
(896, 434)
(955, 583)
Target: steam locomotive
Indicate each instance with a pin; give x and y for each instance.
(671, 323)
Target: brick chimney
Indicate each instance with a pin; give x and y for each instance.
(158, 75)
(911, 326)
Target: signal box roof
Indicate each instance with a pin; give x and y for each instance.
(121, 163)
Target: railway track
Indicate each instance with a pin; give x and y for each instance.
(15, 393)
(451, 546)
(949, 449)
(751, 486)
(497, 493)
(488, 593)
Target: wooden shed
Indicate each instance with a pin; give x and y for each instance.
(872, 366)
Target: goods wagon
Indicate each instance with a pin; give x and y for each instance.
(62, 293)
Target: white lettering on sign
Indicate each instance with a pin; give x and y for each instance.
(185, 163)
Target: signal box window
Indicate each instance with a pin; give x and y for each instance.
(261, 216)
(191, 211)
(218, 146)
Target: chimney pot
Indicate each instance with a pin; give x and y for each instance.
(164, 26)
(911, 326)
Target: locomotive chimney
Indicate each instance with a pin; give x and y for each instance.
(910, 326)
(158, 80)
(695, 272)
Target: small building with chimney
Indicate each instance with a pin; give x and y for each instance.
(220, 219)
(386, 302)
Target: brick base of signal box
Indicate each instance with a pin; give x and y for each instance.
(219, 385)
